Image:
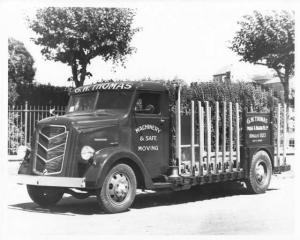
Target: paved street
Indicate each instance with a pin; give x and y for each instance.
(214, 209)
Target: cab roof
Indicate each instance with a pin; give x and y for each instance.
(122, 86)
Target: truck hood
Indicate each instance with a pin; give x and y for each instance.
(85, 121)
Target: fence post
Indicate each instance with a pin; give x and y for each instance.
(26, 122)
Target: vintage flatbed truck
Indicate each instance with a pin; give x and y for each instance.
(117, 137)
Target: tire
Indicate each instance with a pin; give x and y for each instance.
(259, 173)
(118, 190)
(44, 196)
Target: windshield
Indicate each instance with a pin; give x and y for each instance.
(114, 100)
(82, 102)
(107, 100)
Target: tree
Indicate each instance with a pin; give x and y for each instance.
(76, 35)
(20, 63)
(268, 40)
(20, 68)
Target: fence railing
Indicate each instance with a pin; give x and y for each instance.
(22, 120)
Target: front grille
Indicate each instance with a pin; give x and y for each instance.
(50, 149)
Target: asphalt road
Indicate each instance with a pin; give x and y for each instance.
(219, 209)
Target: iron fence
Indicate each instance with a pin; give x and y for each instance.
(22, 120)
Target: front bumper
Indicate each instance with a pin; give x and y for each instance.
(51, 181)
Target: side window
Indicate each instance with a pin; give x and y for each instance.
(148, 103)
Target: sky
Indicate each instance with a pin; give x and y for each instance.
(183, 39)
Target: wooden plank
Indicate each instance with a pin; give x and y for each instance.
(224, 137)
(208, 135)
(217, 138)
(178, 131)
(237, 137)
(278, 135)
(193, 136)
(230, 137)
(201, 137)
(284, 134)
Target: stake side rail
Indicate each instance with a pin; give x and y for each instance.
(200, 161)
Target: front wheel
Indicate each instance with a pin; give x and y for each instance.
(118, 190)
(260, 173)
(44, 196)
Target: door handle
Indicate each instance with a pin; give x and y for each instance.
(162, 121)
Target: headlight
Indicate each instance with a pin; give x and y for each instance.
(87, 152)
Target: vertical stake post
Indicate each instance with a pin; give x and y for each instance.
(237, 137)
(230, 138)
(193, 137)
(284, 134)
(217, 139)
(224, 137)
(178, 131)
(201, 137)
(208, 135)
(278, 135)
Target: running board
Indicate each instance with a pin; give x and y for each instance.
(188, 181)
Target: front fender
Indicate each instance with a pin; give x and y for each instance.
(105, 159)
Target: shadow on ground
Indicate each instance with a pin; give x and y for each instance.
(71, 206)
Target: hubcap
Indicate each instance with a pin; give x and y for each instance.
(261, 172)
(118, 187)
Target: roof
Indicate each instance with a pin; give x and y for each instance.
(223, 70)
(121, 86)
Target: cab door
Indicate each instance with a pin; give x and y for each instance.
(151, 131)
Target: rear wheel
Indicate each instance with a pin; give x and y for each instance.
(260, 173)
(44, 196)
(118, 190)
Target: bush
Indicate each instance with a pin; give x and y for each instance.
(44, 95)
(248, 95)
(15, 133)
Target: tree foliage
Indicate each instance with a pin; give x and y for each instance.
(268, 40)
(75, 35)
(20, 68)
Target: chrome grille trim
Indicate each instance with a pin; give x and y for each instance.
(49, 149)
(49, 159)
(38, 144)
(49, 138)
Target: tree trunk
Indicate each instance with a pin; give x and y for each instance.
(82, 74)
(75, 74)
(286, 88)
